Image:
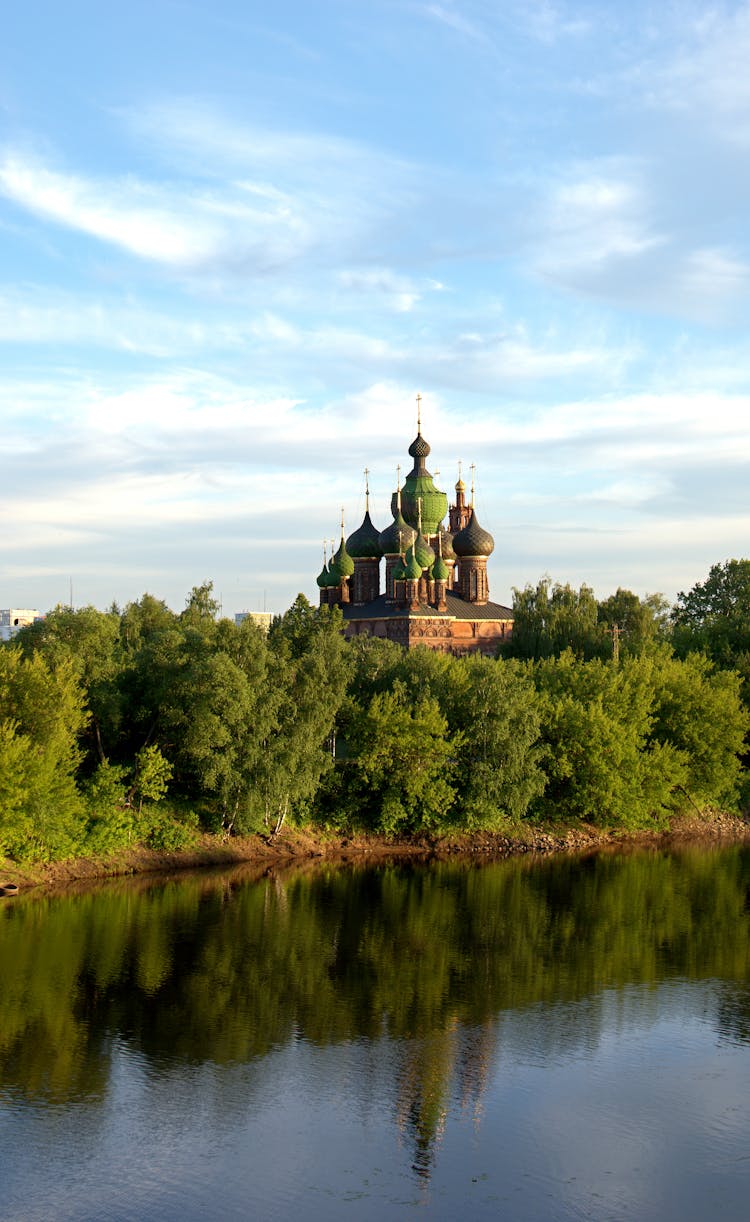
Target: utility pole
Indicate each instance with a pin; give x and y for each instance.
(616, 630)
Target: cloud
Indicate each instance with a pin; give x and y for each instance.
(706, 76)
(399, 291)
(594, 219)
(484, 22)
(186, 464)
(448, 15)
(613, 230)
(163, 224)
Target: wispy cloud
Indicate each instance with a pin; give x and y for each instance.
(595, 218)
(163, 224)
(706, 75)
(484, 21)
(455, 18)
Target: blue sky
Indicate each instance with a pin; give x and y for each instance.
(236, 239)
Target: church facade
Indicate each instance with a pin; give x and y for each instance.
(435, 590)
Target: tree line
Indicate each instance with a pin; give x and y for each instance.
(144, 725)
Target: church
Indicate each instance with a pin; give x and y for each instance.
(436, 591)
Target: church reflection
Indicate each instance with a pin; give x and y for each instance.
(446, 973)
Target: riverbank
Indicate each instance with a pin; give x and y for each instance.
(304, 845)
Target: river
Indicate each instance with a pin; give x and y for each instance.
(555, 1039)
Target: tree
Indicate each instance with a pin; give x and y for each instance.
(87, 639)
(602, 763)
(498, 771)
(640, 623)
(152, 775)
(43, 712)
(698, 710)
(714, 617)
(548, 619)
(401, 763)
(311, 665)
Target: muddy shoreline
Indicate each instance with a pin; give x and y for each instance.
(304, 847)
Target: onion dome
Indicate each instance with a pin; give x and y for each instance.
(423, 552)
(364, 543)
(342, 564)
(419, 448)
(440, 570)
(322, 578)
(473, 540)
(413, 567)
(399, 571)
(419, 486)
(397, 536)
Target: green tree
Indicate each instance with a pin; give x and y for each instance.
(400, 763)
(43, 713)
(498, 718)
(88, 640)
(312, 665)
(152, 775)
(698, 710)
(603, 764)
(640, 623)
(714, 617)
(550, 618)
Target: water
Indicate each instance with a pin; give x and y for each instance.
(551, 1040)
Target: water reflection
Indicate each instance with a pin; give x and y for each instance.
(431, 982)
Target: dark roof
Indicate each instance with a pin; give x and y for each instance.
(456, 608)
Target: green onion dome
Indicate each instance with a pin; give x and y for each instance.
(423, 552)
(322, 578)
(399, 571)
(473, 540)
(440, 570)
(398, 536)
(419, 485)
(364, 543)
(343, 565)
(412, 566)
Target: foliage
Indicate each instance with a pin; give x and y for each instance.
(110, 821)
(88, 640)
(104, 714)
(641, 623)
(602, 763)
(152, 775)
(401, 762)
(42, 715)
(548, 619)
(714, 617)
(499, 769)
(699, 711)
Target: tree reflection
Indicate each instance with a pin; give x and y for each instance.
(221, 970)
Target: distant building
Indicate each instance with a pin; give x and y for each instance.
(436, 590)
(261, 618)
(14, 618)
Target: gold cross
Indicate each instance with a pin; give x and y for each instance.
(419, 413)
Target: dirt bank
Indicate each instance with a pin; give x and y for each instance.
(297, 847)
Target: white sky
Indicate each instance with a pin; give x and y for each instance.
(236, 239)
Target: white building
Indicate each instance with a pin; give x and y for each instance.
(261, 618)
(13, 618)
